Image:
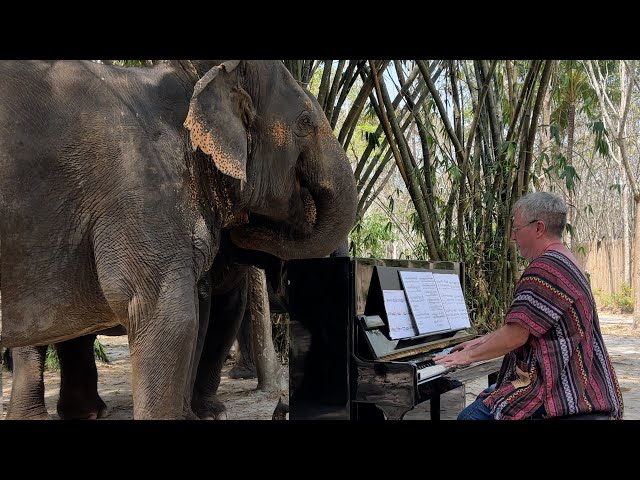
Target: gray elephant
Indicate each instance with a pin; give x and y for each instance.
(244, 365)
(222, 297)
(224, 304)
(111, 210)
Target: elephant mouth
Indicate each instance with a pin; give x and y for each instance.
(300, 223)
(278, 237)
(317, 216)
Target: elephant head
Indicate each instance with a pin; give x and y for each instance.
(293, 182)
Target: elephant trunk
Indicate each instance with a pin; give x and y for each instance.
(330, 214)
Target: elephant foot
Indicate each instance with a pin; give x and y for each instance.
(188, 414)
(211, 410)
(38, 414)
(242, 371)
(78, 408)
(282, 408)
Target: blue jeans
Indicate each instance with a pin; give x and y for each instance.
(479, 411)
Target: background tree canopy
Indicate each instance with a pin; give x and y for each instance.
(441, 151)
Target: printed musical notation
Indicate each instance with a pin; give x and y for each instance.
(435, 301)
(450, 292)
(424, 301)
(399, 320)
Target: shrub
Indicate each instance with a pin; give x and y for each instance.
(51, 361)
(619, 302)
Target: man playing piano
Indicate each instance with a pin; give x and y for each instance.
(555, 360)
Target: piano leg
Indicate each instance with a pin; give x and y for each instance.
(434, 403)
(393, 412)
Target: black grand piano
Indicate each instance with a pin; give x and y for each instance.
(342, 362)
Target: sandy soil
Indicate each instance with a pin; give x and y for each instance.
(242, 399)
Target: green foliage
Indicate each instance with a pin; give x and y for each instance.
(369, 134)
(570, 175)
(562, 170)
(569, 229)
(371, 235)
(99, 353)
(52, 362)
(620, 302)
(131, 63)
(555, 133)
(601, 144)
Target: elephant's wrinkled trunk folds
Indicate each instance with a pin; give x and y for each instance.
(335, 208)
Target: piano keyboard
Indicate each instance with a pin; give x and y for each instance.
(426, 369)
(431, 372)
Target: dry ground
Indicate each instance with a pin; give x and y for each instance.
(620, 330)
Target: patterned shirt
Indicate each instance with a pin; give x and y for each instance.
(564, 365)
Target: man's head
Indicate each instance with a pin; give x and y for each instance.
(539, 219)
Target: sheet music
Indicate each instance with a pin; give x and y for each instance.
(400, 324)
(424, 301)
(452, 298)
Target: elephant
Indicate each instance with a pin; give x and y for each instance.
(222, 297)
(116, 186)
(79, 398)
(244, 365)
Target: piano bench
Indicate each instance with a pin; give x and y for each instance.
(585, 416)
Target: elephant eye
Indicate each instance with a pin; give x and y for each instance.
(304, 124)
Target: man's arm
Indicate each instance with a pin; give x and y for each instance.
(498, 343)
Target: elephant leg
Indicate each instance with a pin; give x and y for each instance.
(27, 388)
(227, 311)
(244, 366)
(204, 309)
(162, 333)
(79, 397)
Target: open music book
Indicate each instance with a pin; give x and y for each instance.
(429, 302)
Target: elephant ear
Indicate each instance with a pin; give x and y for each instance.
(215, 121)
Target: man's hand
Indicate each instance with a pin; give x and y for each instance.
(454, 359)
(492, 345)
(470, 344)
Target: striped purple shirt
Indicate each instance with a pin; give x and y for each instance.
(564, 364)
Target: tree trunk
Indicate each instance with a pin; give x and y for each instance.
(545, 140)
(625, 236)
(571, 213)
(636, 262)
(270, 375)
